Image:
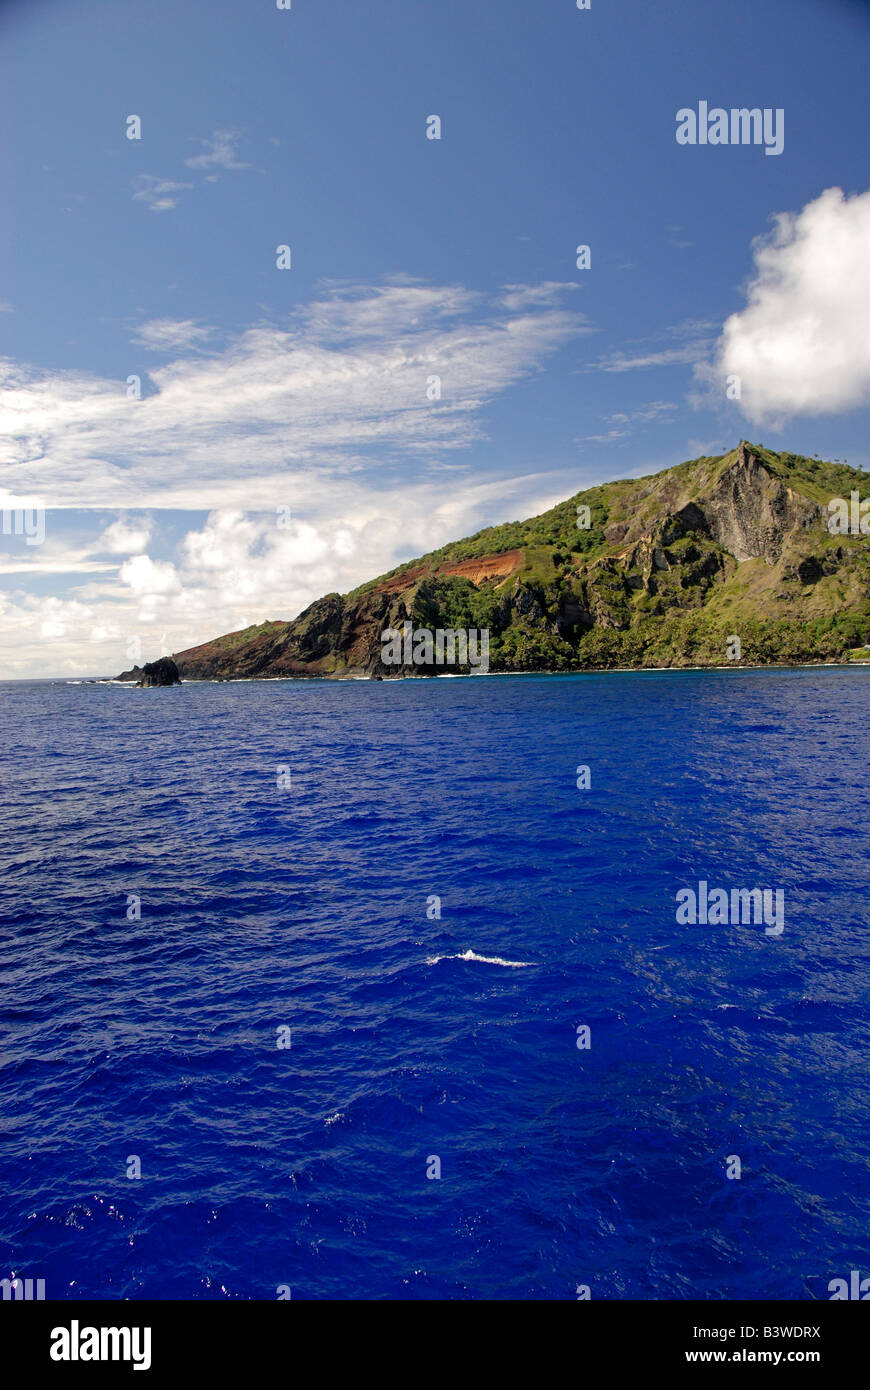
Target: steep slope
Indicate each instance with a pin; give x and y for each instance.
(660, 571)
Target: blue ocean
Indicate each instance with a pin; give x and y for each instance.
(347, 990)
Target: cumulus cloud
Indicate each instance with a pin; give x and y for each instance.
(802, 346)
(148, 577)
(124, 538)
(236, 568)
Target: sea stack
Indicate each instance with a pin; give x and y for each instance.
(162, 672)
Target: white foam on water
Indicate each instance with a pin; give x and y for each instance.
(484, 960)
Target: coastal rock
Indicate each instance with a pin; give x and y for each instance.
(161, 672)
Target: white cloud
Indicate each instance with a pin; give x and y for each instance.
(124, 538)
(529, 296)
(237, 568)
(150, 578)
(160, 194)
(170, 335)
(353, 312)
(801, 346)
(645, 414)
(622, 422)
(220, 152)
(695, 342)
(280, 413)
(327, 417)
(664, 357)
(54, 562)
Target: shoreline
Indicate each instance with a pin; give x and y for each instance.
(730, 668)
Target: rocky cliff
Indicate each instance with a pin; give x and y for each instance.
(661, 571)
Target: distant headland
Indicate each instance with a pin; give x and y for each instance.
(751, 557)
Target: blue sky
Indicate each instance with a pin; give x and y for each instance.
(306, 389)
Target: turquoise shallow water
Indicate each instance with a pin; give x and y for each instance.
(306, 908)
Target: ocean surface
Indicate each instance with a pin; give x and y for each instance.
(152, 1033)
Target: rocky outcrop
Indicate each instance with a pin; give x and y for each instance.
(751, 511)
(155, 673)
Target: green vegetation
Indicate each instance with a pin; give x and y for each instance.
(670, 568)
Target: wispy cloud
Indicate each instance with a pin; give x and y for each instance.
(220, 152)
(170, 335)
(623, 424)
(349, 312)
(329, 417)
(53, 557)
(122, 538)
(278, 408)
(163, 194)
(674, 240)
(664, 357)
(695, 339)
(159, 194)
(518, 297)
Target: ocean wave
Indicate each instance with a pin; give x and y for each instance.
(483, 960)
